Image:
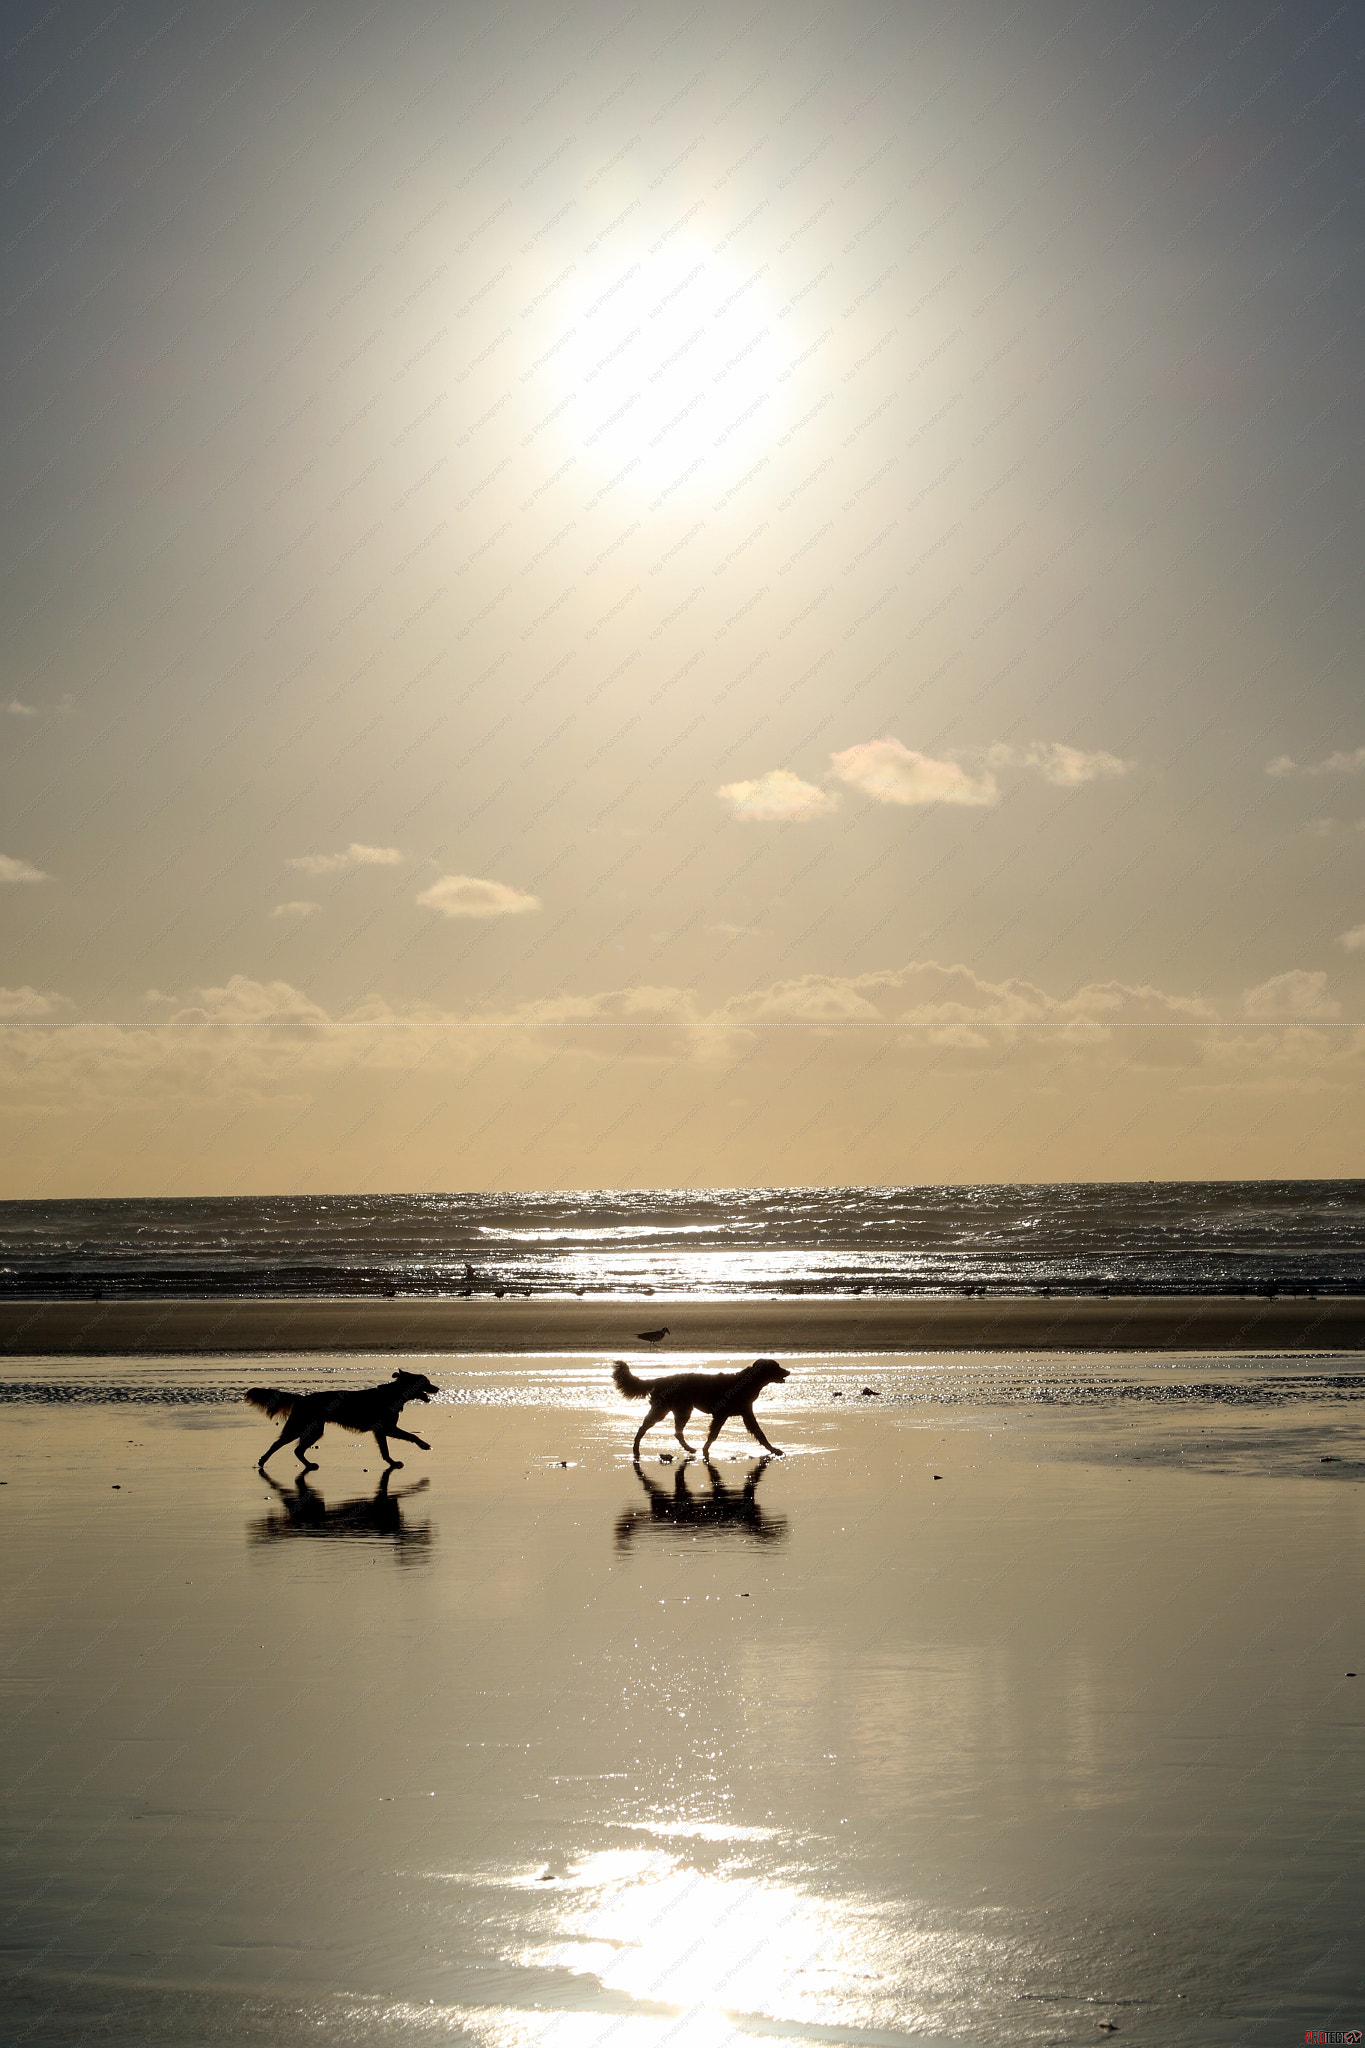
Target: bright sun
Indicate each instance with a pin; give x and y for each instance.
(674, 362)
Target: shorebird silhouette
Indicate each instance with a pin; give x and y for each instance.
(652, 1336)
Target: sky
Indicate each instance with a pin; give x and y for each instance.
(672, 595)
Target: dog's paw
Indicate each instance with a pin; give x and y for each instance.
(421, 1443)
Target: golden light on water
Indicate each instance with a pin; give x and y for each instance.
(657, 1948)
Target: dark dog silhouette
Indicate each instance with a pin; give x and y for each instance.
(722, 1508)
(718, 1394)
(306, 1513)
(372, 1408)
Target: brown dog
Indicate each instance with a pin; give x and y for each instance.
(718, 1394)
(373, 1408)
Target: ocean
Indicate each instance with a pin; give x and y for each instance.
(1175, 1237)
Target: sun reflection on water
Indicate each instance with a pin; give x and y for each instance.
(640, 1945)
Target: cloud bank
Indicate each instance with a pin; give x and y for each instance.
(26, 1006)
(1285, 998)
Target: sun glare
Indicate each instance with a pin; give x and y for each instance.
(674, 360)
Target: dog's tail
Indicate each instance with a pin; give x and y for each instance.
(626, 1382)
(275, 1403)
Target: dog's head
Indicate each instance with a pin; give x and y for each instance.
(415, 1385)
(769, 1371)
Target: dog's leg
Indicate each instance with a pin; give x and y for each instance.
(305, 1445)
(681, 1418)
(382, 1440)
(281, 1440)
(718, 1422)
(654, 1415)
(408, 1438)
(751, 1424)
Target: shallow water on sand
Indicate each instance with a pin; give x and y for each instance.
(535, 1747)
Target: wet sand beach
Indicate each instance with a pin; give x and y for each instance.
(978, 1717)
(805, 1324)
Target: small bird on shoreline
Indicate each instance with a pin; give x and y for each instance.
(652, 1336)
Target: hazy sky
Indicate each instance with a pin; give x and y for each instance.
(679, 594)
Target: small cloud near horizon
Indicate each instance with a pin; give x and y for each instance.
(890, 773)
(468, 896)
(20, 870)
(1300, 994)
(244, 1001)
(779, 796)
(297, 910)
(28, 1005)
(355, 856)
(1353, 940)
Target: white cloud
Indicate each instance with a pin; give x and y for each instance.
(63, 708)
(810, 999)
(778, 796)
(355, 856)
(25, 1005)
(1346, 763)
(466, 896)
(296, 910)
(1295, 995)
(244, 1001)
(926, 993)
(19, 870)
(1353, 940)
(893, 774)
(1065, 766)
(638, 1005)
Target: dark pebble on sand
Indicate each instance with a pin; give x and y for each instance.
(938, 1475)
(1327, 1461)
(116, 1488)
(871, 1394)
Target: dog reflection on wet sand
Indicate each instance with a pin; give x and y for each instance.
(380, 1514)
(722, 1508)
